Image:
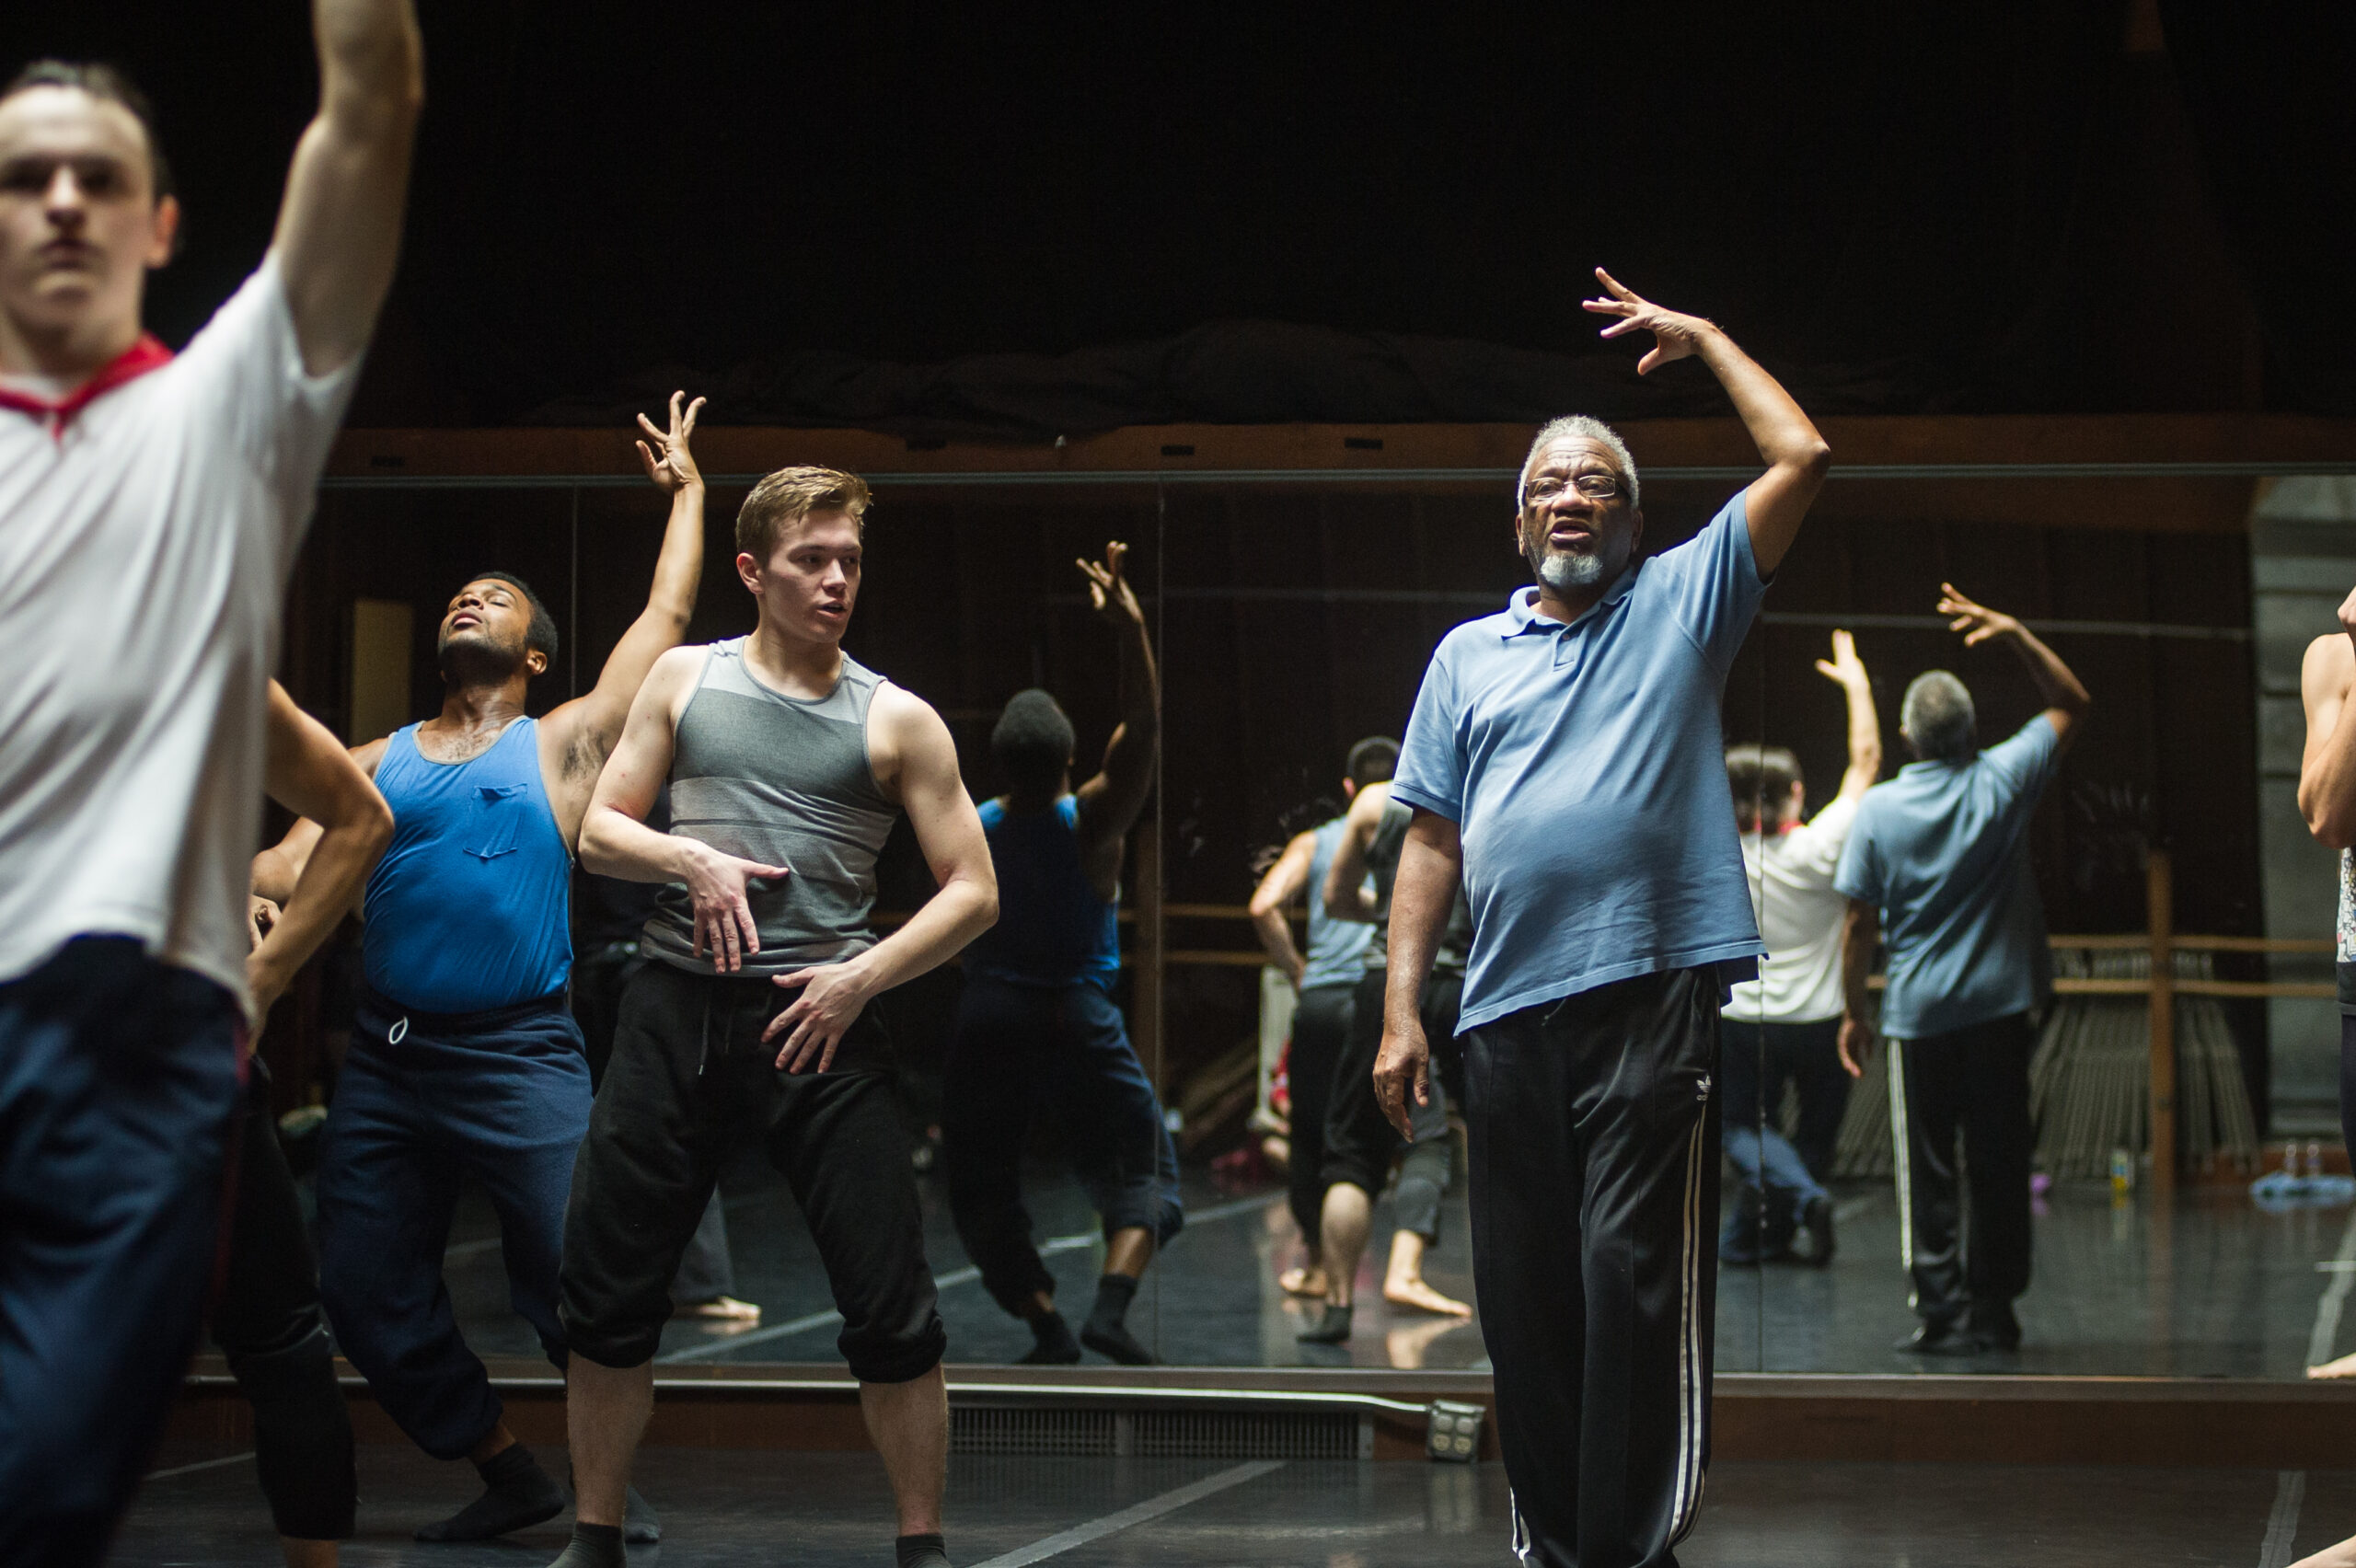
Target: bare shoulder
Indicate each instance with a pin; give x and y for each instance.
(371, 754)
(1368, 806)
(905, 737)
(2328, 668)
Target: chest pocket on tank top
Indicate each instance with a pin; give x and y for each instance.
(498, 810)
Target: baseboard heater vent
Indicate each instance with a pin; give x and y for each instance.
(1162, 1434)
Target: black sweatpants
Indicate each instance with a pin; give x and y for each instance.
(688, 1078)
(1595, 1191)
(1360, 1142)
(1321, 1027)
(269, 1323)
(1975, 1082)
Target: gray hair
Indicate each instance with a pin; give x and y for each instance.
(1937, 718)
(1586, 429)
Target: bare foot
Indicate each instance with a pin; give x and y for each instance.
(1406, 1346)
(2341, 1556)
(1302, 1282)
(727, 1308)
(1415, 1292)
(2343, 1367)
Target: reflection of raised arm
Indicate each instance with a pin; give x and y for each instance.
(1431, 865)
(340, 225)
(916, 761)
(577, 736)
(1797, 458)
(277, 869)
(1109, 802)
(2066, 701)
(1864, 725)
(1859, 932)
(2328, 772)
(1345, 891)
(310, 771)
(1275, 894)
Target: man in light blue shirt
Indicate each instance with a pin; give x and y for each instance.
(1566, 762)
(1937, 866)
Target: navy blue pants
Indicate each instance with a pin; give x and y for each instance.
(1780, 1176)
(119, 1086)
(426, 1102)
(1019, 1049)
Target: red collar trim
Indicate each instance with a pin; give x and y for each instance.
(55, 413)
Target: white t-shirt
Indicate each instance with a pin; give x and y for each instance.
(145, 547)
(1799, 920)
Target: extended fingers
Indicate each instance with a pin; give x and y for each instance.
(687, 424)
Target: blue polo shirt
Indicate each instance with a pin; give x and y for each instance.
(1585, 767)
(1942, 850)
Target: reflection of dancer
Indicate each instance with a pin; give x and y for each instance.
(1359, 1141)
(1566, 758)
(155, 507)
(1327, 981)
(268, 1320)
(1038, 1026)
(1938, 868)
(1783, 1028)
(787, 762)
(464, 1060)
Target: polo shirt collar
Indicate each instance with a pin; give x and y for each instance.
(1521, 610)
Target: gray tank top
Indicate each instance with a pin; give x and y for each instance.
(1382, 853)
(785, 781)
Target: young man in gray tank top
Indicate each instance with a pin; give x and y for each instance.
(787, 762)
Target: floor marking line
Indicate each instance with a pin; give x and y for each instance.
(200, 1465)
(2334, 1298)
(2282, 1524)
(967, 1275)
(1137, 1514)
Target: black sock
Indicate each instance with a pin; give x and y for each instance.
(922, 1550)
(517, 1493)
(1105, 1331)
(1114, 1294)
(1056, 1347)
(592, 1546)
(640, 1527)
(1334, 1327)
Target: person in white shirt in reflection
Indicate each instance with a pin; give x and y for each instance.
(1783, 1028)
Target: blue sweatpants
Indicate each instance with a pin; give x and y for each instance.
(427, 1101)
(119, 1085)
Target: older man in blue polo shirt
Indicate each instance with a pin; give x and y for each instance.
(1937, 867)
(1565, 761)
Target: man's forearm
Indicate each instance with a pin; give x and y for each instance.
(2055, 682)
(1865, 741)
(678, 569)
(938, 932)
(1857, 938)
(367, 48)
(615, 843)
(1275, 932)
(1421, 899)
(1140, 690)
(1778, 428)
(329, 886)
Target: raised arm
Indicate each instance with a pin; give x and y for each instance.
(2327, 771)
(309, 772)
(919, 761)
(1274, 896)
(1864, 724)
(579, 735)
(1110, 801)
(339, 226)
(1345, 891)
(1431, 864)
(1860, 931)
(616, 841)
(1796, 458)
(278, 868)
(2066, 701)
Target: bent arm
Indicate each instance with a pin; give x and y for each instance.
(1275, 894)
(277, 870)
(2066, 700)
(948, 833)
(1797, 456)
(615, 840)
(1110, 803)
(587, 729)
(338, 227)
(310, 772)
(1865, 741)
(2328, 770)
(1345, 891)
(1431, 865)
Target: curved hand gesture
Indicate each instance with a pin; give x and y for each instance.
(724, 924)
(1674, 335)
(1844, 666)
(1108, 590)
(1977, 622)
(677, 467)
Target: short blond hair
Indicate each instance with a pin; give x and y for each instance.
(789, 496)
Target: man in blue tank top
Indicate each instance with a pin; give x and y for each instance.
(466, 1061)
(1037, 1025)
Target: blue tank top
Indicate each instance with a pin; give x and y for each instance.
(470, 909)
(1336, 948)
(1052, 928)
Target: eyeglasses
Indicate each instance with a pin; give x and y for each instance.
(1595, 486)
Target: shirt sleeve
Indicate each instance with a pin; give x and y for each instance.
(1714, 583)
(1431, 771)
(1860, 874)
(1815, 848)
(2026, 759)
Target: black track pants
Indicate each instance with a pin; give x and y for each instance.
(1594, 1133)
(1974, 1082)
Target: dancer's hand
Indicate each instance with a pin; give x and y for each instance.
(1404, 1064)
(1108, 590)
(833, 995)
(676, 469)
(724, 919)
(1674, 335)
(1844, 666)
(1857, 1046)
(1977, 622)
(264, 980)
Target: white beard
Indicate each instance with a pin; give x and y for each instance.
(1563, 572)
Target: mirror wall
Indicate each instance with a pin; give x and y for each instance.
(1292, 619)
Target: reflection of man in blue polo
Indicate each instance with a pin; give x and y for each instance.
(1566, 760)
